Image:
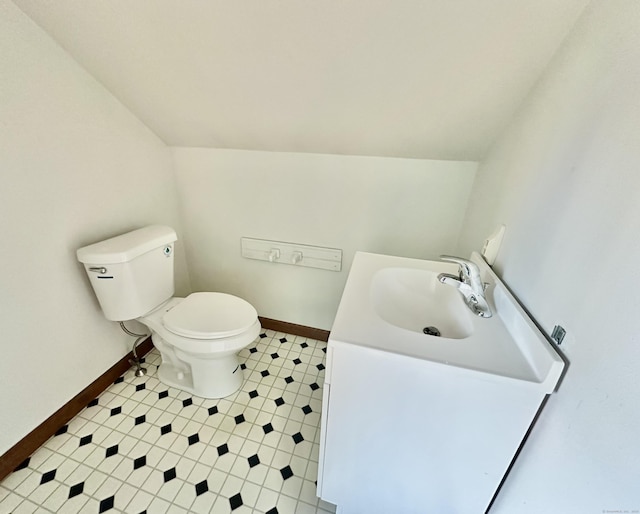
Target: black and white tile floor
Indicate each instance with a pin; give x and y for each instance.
(143, 447)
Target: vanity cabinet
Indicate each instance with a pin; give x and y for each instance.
(414, 423)
(404, 435)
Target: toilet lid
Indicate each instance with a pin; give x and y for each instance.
(210, 316)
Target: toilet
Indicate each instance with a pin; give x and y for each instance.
(198, 337)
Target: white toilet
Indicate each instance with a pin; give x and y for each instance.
(198, 337)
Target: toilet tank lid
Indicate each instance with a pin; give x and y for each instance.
(125, 247)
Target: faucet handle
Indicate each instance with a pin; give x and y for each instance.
(465, 265)
(469, 271)
(458, 260)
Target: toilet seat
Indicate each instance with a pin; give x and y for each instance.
(210, 316)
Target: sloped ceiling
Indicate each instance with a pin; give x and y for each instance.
(406, 78)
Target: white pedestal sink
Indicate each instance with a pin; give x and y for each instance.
(418, 423)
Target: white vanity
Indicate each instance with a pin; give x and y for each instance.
(414, 423)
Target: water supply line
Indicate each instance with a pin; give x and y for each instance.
(140, 371)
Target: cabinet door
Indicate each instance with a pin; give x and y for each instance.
(411, 436)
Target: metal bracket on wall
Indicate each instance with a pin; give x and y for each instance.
(558, 334)
(292, 253)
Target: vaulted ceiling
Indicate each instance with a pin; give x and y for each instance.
(431, 79)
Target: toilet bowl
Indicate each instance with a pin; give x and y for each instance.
(198, 337)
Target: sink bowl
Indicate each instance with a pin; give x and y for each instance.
(413, 299)
(388, 301)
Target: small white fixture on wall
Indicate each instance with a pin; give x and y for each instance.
(492, 244)
(292, 253)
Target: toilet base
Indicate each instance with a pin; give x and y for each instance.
(216, 385)
(208, 368)
(204, 377)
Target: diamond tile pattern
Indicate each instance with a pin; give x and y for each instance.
(139, 462)
(106, 504)
(23, 464)
(170, 474)
(143, 447)
(48, 476)
(235, 501)
(76, 489)
(111, 451)
(286, 472)
(62, 430)
(201, 487)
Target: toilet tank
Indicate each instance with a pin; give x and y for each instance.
(131, 274)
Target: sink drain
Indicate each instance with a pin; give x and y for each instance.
(431, 331)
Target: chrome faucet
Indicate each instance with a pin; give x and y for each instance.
(469, 283)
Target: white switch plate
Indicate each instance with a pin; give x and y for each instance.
(292, 253)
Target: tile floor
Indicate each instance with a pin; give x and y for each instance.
(143, 447)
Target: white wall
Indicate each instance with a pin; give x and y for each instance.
(75, 167)
(565, 180)
(406, 207)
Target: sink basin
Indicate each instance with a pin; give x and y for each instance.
(388, 301)
(413, 299)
